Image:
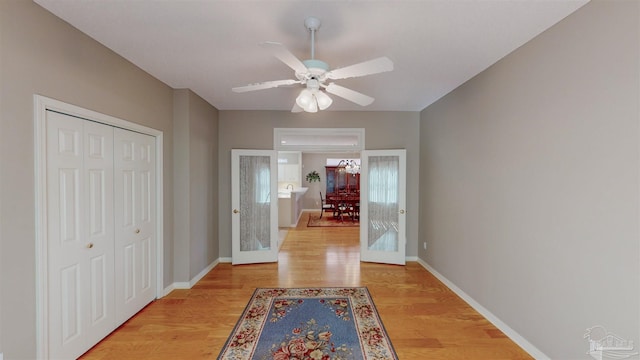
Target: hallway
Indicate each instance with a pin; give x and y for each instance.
(423, 318)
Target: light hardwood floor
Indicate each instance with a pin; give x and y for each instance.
(423, 318)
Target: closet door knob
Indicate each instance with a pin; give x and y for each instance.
(137, 231)
(89, 245)
(235, 211)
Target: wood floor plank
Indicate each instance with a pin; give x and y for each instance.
(424, 319)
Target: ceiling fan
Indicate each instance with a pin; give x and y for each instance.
(314, 74)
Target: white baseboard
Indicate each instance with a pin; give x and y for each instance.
(224, 260)
(512, 334)
(202, 273)
(167, 290)
(176, 285)
(189, 284)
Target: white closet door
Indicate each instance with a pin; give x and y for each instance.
(80, 234)
(134, 222)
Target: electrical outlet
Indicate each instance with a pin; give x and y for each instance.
(424, 245)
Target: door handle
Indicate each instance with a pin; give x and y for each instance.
(235, 211)
(89, 245)
(137, 231)
(401, 211)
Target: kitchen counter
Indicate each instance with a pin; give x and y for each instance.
(290, 206)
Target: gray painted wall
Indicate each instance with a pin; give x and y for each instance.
(196, 183)
(203, 146)
(181, 209)
(530, 186)
(254, 130)
(42, 54)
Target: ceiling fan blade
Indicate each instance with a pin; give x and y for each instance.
(296, 108)
(375, 66)
(264, 85)
(286, 56)
(348, 94)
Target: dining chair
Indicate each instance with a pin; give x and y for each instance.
(342, 209)
(356, 211)
(326, 206)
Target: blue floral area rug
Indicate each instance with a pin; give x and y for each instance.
(310, 323)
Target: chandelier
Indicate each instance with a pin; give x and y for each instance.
(349, 166)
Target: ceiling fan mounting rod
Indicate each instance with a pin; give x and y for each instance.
(312, 24)
(313, 44)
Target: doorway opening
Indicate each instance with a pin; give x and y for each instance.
(382, 202)
(305, 157)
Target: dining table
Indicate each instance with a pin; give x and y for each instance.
(345, 203)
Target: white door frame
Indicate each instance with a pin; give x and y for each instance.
(41, 105)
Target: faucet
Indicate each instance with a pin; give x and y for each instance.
(291, 186)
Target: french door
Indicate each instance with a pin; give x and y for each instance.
(382, 207)
(254, 196)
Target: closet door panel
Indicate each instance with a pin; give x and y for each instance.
(135, 228)
(79, 234)
(99, 229)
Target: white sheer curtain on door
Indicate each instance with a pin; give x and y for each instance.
(383, 189)
(255, 203)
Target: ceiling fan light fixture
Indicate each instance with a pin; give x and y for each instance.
(305, 99)
(312, 107)
(324, 101)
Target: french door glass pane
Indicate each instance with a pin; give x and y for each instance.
(383, 211)
(255, 203)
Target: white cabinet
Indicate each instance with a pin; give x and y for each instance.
(284, 212)
(289, 173)
(289, 168)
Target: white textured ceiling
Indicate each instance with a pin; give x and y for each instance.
(211, 46)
